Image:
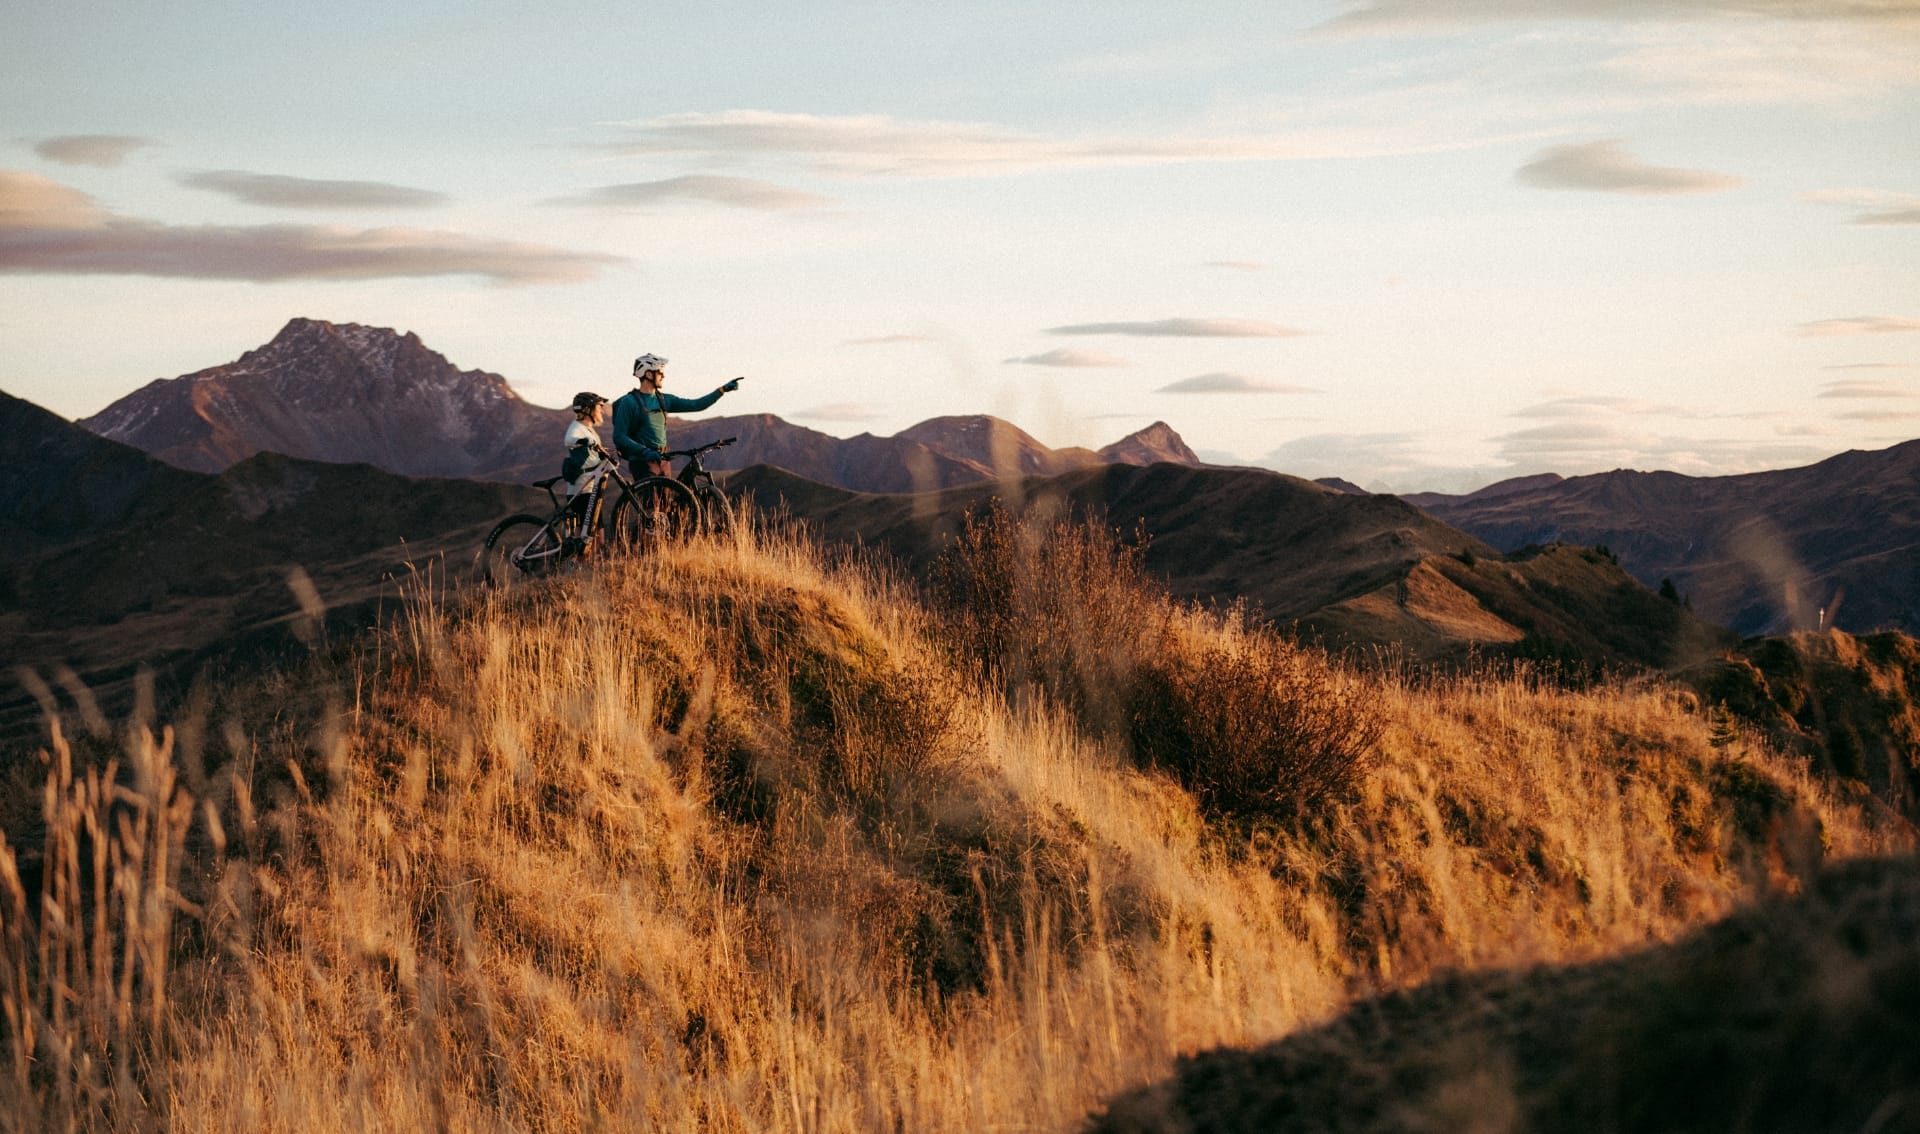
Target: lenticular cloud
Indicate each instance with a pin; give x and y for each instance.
(50, 228)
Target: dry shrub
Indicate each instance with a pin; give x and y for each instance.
(1255, 727)
(1051, 606)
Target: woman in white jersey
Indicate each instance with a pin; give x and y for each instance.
(583, 444)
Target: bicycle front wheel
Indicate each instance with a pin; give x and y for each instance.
(518, 546)
(658, 509)
(716, 515)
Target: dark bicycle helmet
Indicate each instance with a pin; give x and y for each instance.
(585, 400)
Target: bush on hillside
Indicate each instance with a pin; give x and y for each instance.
(1253, 725)
(1053, 606)
(1259, 729)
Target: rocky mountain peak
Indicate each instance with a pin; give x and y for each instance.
(1154, 444)
(333, 392)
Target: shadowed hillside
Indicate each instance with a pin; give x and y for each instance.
(1800, 1015)
(122, 561)
(59, 484)
(750, 836)
(1762, 553)
(1354, 569)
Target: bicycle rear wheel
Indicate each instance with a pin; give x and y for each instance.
(519, 546)
(658, 509)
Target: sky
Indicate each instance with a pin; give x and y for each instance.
(1414, 245)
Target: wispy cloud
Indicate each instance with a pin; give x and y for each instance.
(841, 411)
(1865, 388)
(1859, 325)
(1376, 16)
(1607, 167)
(1367, 458)
(277, 191)
(1601, 406)
(1223, 382)
(1185, 328)
(736, 192)
(1596, 445)
(1868, 366)
(1872, 206)
(1237, 265)
(1072, 358)
(1879, 415)
(889, 340)
(50, 228)
(876, 144)
(103, 151)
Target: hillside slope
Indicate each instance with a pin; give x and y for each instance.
(59, 484)
(1801, 1015)
(123, 561)
(1356, 569)
(727, 838)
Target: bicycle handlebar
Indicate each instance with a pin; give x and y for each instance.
(704, 449)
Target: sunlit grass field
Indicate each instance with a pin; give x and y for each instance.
(751, 836)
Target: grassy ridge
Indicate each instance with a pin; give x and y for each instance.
(747, 837)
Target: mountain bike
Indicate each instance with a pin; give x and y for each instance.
(648, 511)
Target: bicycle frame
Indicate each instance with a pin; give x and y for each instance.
(570, 529)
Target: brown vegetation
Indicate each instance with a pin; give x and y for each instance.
(744, 837)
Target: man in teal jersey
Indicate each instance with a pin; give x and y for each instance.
(640, 416)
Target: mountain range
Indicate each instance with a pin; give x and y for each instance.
(346, 392)
(1756, 553)
(1835, 543)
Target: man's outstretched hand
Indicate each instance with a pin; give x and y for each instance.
(733, 385)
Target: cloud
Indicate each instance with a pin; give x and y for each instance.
(737, 192)
(1185, 328)
(101, 150)
(840, 411)
(1602, 406)
(888, 340)
(1859, 325)
(1891, 216)
(1573, 447)
(1221, 382)
(1863, 388)
(1868, 366)
(1237, 265)
(1072, 358)
(1368, 458)
(1367, 16)
(1879, 415)
(1606, 167)
(276, 191)
(1878, 206)
(50, 228)
(876, 144)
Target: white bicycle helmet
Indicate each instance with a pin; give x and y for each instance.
(648, 362)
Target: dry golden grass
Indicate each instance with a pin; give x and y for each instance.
(731, 839)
